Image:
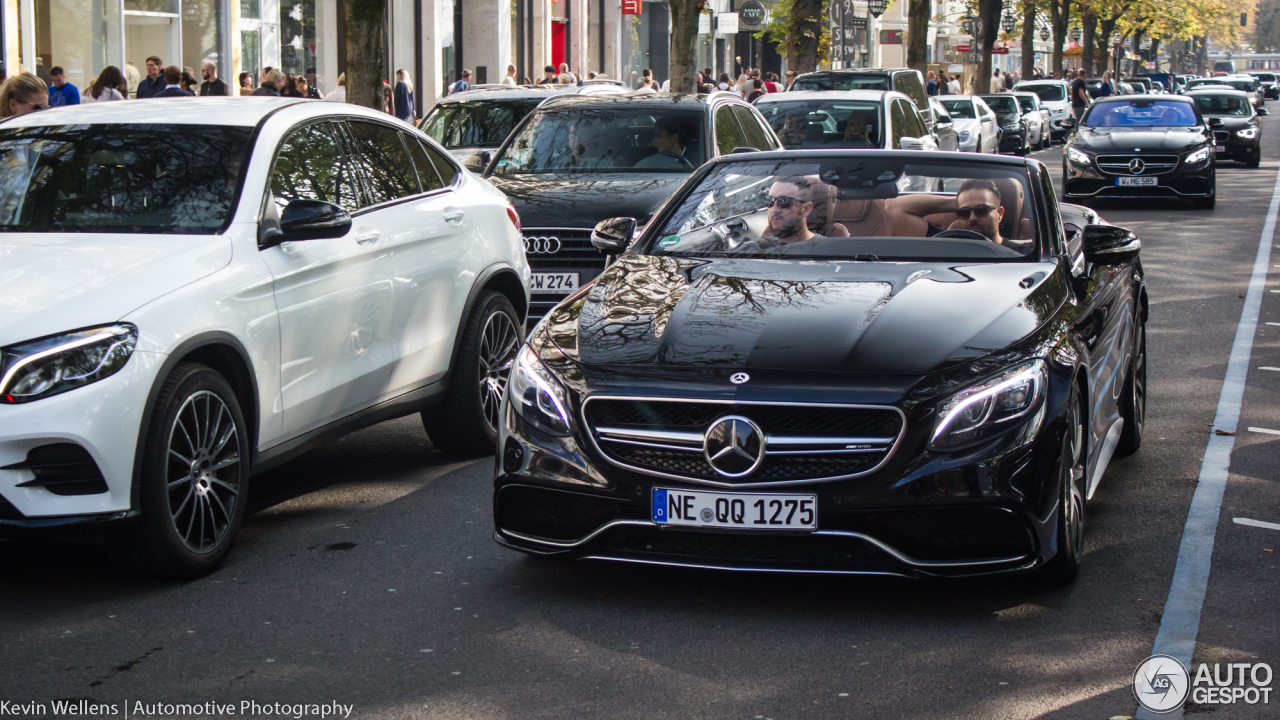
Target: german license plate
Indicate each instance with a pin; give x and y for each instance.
(698, 508)
(1136, 182)
(557, 283)
(1219, 148)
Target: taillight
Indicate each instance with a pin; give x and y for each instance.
(515, 218)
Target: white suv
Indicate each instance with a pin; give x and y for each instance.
(192, 291)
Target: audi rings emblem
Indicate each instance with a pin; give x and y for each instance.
(1136, 166)
(541, 244)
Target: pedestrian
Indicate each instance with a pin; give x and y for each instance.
(1079, 95)
(172, 84)
(565, 77)
(526, 81)
(771, 84)
(757, 91)
(109, 85)
(62, 92)
(131, 76)
(723, 82)
(154, 82)
(646, 78)
(246, 83)
(314, 91)
(339, 93)
(954, 85)
(4, 73)
(188, 83)
(1105, 88)
(791, 79)
(290, 87)
(212, 85)
(262, 76)
(646, 86)
(272, 79)
(21, 94)
(309, 91)
(931, 84)
(548, 75)
(996, 84)
(404, 96)
(510, 77)
(388, 99)
(464, 82)
(1008, 81)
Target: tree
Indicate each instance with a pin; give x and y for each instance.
(918, 14)
(1264, 36)
(989, 11)
(800, 29)
(365, 44)
(1060, 22)
(1028, 38)
(683, 46)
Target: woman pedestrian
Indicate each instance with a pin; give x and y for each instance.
(757, 90)
(246, 83)
(21, 94)
(1105, 88)
(290, 88)
(306, 88)
(189, 83)
(723, 82)
(404, 96)
(272, 81)
(110, 85)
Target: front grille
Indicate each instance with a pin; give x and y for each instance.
(1220, 137)
(62, 469)
(572, 250)
(801, 443)
(1152, 164)
(772, 550)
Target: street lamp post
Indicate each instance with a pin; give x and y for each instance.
(875, 8)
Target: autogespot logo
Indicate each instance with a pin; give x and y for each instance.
(1161, 683)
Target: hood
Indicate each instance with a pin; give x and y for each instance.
(581, 201)
(1126, 140)
(836, 316)
(53, 283)
(1235, 122)
(1008, 118)
(970, 124)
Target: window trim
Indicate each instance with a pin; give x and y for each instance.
(275, 155)
(364, 180)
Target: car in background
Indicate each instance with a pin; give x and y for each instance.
(1055, 96)
(195, 292)
(1141, 146)
(1224, 66)
(1166, 82)
(916, 396)
(864, 119)
(577, 160)
(1037, 117)
(904, 80)
(478, 120)
(1139, 85)
(1245, 84)
(1015, 129)
(1237, 134)
(975, 123)
(1270, 83)
(943, 127)
(1094, 87)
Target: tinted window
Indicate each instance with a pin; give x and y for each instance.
(140, 178)
(898, 119)
(729, 133)
(599, 137)
(476, 124)
(448, 171)
(909, 84)
(1028, 104)
(841, 82)
(1005, 104)
(824, 123)
(755, 134)
(388, 171)
(959, 108)
(1141, 113)
(1049, 93)
(427, 175)
(914, 124)
(1223, 105)
(310, 165)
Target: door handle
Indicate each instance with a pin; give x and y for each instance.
(366, 235)
(453, 215)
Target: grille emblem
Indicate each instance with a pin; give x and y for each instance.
(541, 244)
(739, 378)
(1136, 166)
(733, 446)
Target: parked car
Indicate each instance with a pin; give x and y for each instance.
(578, 160)
(1270, 83)
(943, 127)
(733, 394)
(1141, 147)
(904, 80)
(478, 120)
(195, 292)
(1237, 134)
(1248, 85)
(975, 123)
(848, 119)
(1055, 96)
(1015, 128)
(1037, 117)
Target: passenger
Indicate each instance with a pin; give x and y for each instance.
(855, 132)
(977, 207)
(668, 139)
(793, 130)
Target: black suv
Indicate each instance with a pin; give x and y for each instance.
(904, 80)
(577, 160)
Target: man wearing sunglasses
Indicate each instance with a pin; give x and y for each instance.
(790, 201)
(977, 208)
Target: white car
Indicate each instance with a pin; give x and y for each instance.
(975, 124)
(864, 119)
(193, 291)
(1055, 96)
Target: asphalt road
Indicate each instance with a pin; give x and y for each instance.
(367, 574)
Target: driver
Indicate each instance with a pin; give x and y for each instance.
(668, 140)
(977, 208)
(855, 132)
(790, 203)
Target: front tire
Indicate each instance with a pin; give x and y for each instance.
(1133, 404)
(466, 423)
(194, 477)
(1063, 567)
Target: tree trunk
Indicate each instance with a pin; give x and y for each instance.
(1089, 53)
(1155, 54)
(1060, 21)
(1138, 62)
(1028, 39)
(918, 15)
(365, 43)
(801, 46)
(1105, 28)
(989, 11)
(684, 39)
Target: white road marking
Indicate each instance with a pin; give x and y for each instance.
(1272, 369)
(1264, 431)
(1256, 523)
(1276, 324)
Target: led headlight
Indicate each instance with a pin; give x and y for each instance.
(1077, 157)
(43, 368)
(964, 136)
(989, 407)
(537, 396)
(1249, 133)
(1198, 157)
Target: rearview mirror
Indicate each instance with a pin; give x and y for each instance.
(313, 220)
(612, 236)
(478, 161)
(1109, 244)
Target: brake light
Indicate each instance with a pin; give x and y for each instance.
(514, 216)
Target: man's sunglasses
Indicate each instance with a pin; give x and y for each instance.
(978, 211)
(783, 201)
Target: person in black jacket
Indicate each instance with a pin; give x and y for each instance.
(212, 85)
(154, 82)
(271, 82)
(173, 76)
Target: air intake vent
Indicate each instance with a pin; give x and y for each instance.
(8, 511)
(62, 469)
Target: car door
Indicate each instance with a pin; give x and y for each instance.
(421, 227)
(909, 83)
(759, 135)
(990, 128)
(728, 133)
(334, 296)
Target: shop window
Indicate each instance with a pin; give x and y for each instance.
(297, 36)
(202, 36)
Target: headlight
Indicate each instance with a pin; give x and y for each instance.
(1077, 157)
(964, 136)
(43, 368)
(1250, 133)
(537, 395)
(1199, 156)
(987, 408)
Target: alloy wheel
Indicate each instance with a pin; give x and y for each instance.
(498, 345)
(1140, 381)
(202, 477)
(1073, 483)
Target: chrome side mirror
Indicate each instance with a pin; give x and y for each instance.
(612, 236)
(1109, 244)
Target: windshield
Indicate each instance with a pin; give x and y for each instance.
(1026, 103)
(959, 108)
(1048, 93)
(1003, 104)
(855, 208)
(606, 138)
(1241, 85)
(1223, 105)
(842, 82)
(1141, 113)
(1265, 77)
(135, 178)
(824, 123)
(476, 124)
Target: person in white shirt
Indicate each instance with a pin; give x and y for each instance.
(646, 87)
(997, 85)
(954, 85)
(510, 77)
(666, 85)
(566, 77)
(339, 93)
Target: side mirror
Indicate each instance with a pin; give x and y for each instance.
(943, 121)
(910, 143)
(477, 161)
(612, 236)
(1068, 123)
(1215, 122)
(1109, 244)
(306, 220)
(1263, 111)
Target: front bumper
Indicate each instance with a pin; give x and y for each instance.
(1090, 182)
(1238, 148)
(1013, 138)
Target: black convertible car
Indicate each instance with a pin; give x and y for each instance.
(931, 382)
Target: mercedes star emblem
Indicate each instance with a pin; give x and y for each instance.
(1136, 166)
(739, 378)
(733, 446)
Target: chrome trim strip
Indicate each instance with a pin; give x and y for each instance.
(591, 435)
(907, 559)
(799, 440)
(655, 445)
(574, 543)
(659, 435)
(841, 451)
(704, 566)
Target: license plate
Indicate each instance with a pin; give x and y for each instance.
(558, 283)
(1136, 182)
(1219, 148)
(698, 508)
